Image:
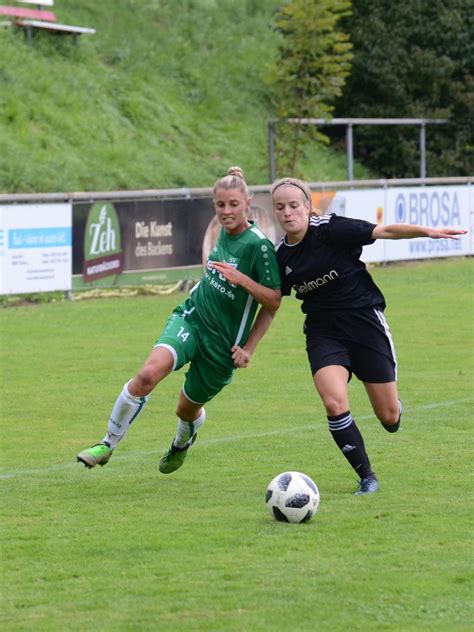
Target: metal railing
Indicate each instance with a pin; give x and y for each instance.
(188, 193)
(350, 123)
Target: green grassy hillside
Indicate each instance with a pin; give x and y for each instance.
(168, 93)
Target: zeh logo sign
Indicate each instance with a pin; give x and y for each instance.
(103, 254)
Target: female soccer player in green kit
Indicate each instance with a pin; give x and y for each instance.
(215, 330)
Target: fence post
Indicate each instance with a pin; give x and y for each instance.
(349, 147)
(422, 150)
(271, 151)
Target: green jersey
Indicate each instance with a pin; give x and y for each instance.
(222, 307)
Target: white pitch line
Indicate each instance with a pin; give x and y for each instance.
(232, 439)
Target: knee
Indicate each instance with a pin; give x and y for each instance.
(188, 410)
(146, 380)
(188, 413)
(335, 406)
(389, 415)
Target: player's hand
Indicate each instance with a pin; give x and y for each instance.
(241, 357)
(230, 274)
(445, 233)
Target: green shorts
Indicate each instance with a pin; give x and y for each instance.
(211, 366)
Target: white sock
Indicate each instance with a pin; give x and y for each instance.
(125, 410)
(187, 429)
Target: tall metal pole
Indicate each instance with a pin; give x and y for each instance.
(422, 150)
(349, 147)
(271, 151)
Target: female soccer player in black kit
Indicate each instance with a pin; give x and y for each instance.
(345, 327)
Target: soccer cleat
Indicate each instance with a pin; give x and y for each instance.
(367, 485)
(173, 459)
(98, 454)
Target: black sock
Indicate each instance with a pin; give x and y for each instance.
(349, 440)
(393, 427)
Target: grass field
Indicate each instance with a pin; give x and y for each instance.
(153, 100)
(126, 548)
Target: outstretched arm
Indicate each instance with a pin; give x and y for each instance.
(410, 231)
(266, 296)
(241, 355)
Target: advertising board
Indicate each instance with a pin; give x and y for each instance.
(35, 248)
(137, 242)
(436, 207)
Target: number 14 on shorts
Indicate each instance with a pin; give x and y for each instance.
(183, 334)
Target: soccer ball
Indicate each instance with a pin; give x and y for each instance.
(292, 497)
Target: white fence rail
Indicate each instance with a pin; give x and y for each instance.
(39, 237)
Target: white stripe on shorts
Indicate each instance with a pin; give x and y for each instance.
(173, 352)
(188, 398)
(383, 321)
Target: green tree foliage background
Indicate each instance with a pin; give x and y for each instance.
(412, 60)
(309, 72)
(169, 93)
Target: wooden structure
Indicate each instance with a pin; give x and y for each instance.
(38, 16)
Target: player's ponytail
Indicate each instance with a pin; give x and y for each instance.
(236, 171)
(234, 180)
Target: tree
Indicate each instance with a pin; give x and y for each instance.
(309, 72)
(412, 60)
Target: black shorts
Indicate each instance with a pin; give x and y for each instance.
(359, 340)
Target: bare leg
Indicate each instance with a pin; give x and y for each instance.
(191, 417)
(129, 405)
(186, 409)
(135, 393)
(157, 366)
(385, 402)
(331, 384)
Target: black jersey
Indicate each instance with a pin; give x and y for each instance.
(324, 268)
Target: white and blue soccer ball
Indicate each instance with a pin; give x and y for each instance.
(292, 497)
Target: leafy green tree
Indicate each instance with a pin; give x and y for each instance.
(309, 72)
(412, 60)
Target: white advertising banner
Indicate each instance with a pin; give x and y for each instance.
(35, 248)
(438, 207)
(368, 205)
(435, 206)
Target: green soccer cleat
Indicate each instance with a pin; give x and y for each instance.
(98, 454)
(173, 459)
